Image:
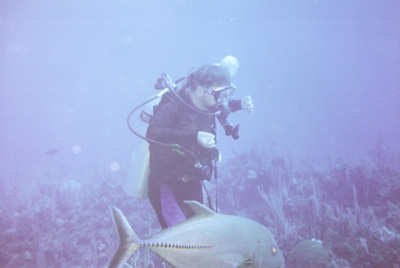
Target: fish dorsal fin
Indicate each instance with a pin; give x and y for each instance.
(199, 209)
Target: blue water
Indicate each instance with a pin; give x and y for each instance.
(324, 77)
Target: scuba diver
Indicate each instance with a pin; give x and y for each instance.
(186, 122)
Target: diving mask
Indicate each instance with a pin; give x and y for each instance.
(223, 94)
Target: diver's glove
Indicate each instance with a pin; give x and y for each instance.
(247, 104)
(206, 139)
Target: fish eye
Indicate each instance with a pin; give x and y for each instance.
(274, 250)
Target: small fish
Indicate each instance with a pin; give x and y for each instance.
(206, 240)
(51, 152)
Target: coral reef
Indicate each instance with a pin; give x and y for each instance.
(60, 218)
(351, 205)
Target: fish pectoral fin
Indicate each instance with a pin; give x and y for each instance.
(238, 261)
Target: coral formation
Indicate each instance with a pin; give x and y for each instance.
(311, 254)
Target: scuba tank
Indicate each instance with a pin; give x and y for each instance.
(135, 184)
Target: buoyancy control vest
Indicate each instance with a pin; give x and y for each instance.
(172, 162)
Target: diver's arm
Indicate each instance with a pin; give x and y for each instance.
(162, 127)
(246, 103)
(235, 105)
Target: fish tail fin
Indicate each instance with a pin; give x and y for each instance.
(128, 239)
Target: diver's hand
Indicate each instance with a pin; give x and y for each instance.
(206, 139)
(247, 104)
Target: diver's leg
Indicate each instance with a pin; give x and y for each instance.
(171, 211)
(155, 200)
(191, 191)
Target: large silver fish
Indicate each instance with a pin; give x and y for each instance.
(206, 240)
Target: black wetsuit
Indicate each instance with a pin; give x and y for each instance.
(175, 123)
